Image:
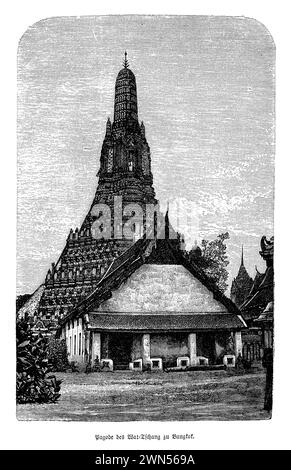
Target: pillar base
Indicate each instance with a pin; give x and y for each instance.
(192, 348)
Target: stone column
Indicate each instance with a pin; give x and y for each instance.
(237, 343)
(146, 348)
(217, 347)
(105, 346)
(96, 346)
(192, 348)
(87, 345)
(266, 339)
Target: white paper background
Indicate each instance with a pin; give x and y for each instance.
(16, 17)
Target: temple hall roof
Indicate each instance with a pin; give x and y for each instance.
(146, 251)
(163, 321)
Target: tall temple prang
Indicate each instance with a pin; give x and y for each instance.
(125, 163)
(124, 176)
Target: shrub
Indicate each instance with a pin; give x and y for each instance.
(58, 354)
(88, 368)
(32, 383)
(73, 366)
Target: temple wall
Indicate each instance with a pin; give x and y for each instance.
(75, 340)
(221, 343)
(160, 288)
(137, 347)
(169, 346)
(104, 345)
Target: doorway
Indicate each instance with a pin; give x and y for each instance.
(119, 349)
(206, 346)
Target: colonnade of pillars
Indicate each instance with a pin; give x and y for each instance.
(146, 346)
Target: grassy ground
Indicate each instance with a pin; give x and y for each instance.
(158, 396)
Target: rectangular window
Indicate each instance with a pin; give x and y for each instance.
(75, 341)
(70, 345)
(80, 343)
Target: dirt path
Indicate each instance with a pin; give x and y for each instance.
(131, 396)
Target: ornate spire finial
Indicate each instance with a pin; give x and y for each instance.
(125, 62)
(242, 256)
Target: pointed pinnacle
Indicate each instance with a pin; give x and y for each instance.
(125, 62)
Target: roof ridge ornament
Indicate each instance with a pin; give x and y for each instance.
(125, 62)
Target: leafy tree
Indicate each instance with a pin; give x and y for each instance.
(33, 385)
(212, 260)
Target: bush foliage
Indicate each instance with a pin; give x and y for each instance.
(58, 354)
(33, 385)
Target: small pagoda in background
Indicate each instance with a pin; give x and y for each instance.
(241, 285)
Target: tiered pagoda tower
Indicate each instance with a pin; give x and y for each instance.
(125, 171)
(241, 285)
(125, 164)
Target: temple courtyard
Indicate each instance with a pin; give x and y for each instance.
(155, 396)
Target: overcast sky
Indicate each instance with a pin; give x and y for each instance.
(206, 95)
